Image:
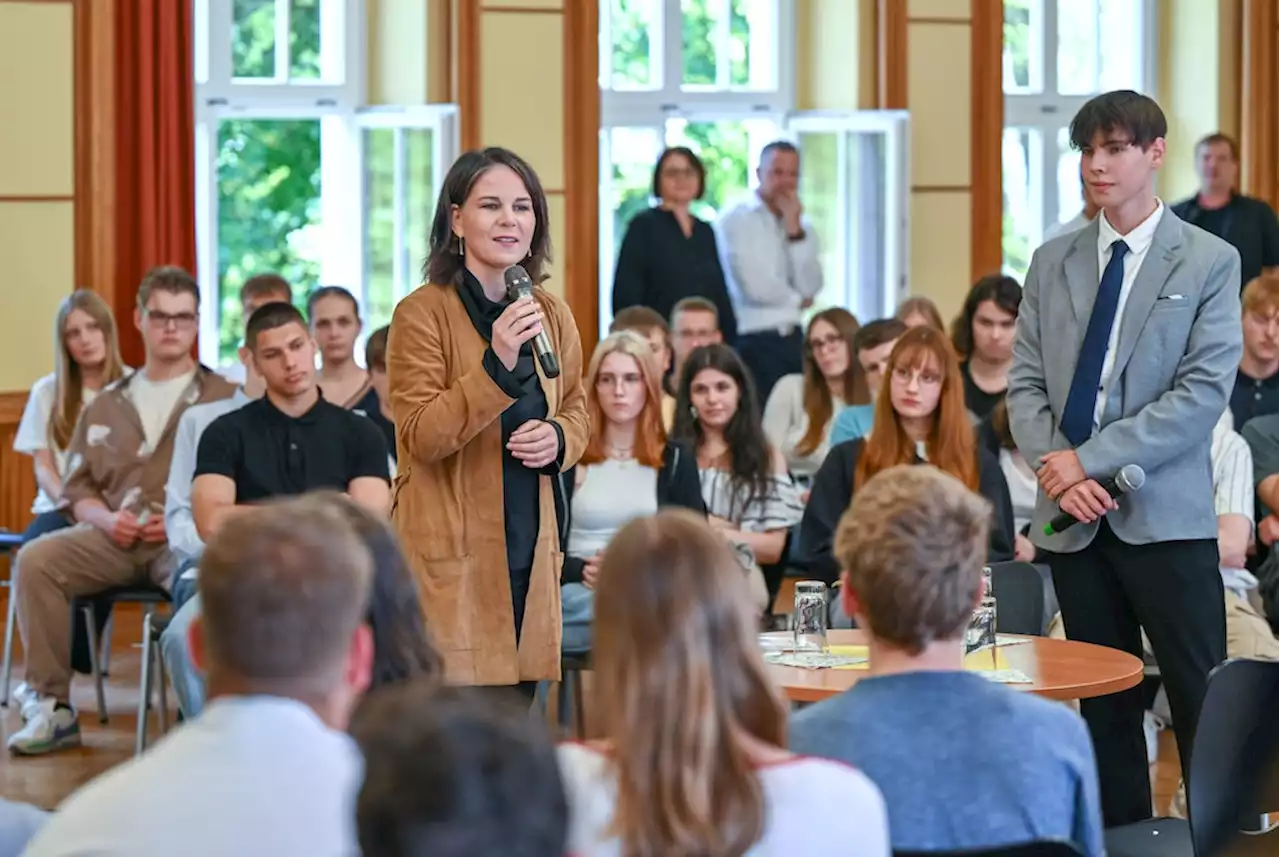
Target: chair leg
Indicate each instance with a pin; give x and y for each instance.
(91, 626)
(144, 689)
(563, 718)
(10, 620)
(162, 681)
(579, 709)
(105, 658)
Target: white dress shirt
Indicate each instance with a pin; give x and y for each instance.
(1139, 241)
(768, 274)
(179, 520)
(250, 775)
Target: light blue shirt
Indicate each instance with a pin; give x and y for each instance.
(179, 521)
(250, 775)
(853, 423)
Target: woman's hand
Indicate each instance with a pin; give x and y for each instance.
(590, 571)
(519, 322)
(535, 444)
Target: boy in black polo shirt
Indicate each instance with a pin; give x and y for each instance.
(290, 441)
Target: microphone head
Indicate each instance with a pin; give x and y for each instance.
(1130, 478)
(518, 281)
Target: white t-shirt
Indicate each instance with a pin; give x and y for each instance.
(33, 431)
(155, 401)
(812, 806)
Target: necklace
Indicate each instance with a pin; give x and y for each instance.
(619, 453)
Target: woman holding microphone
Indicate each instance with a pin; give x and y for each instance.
(483, 434)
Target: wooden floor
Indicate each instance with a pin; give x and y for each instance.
(45, 781)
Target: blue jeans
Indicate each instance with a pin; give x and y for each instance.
(188, 683)
(577, 609)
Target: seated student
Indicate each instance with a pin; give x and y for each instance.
(693, 758)
(447, 773)
(653, 327)
(1257, 386)
(695, 322)
(982, 335)
(920, 417)
(1262, 434)
(628, 470)
(964, 763)
(801, 410)
(375, 358)
(872, 345)
(268, 767)
(748, 492)
(118, 460)
(336, 325)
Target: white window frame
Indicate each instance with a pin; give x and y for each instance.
(338, 106)
(1047, 110)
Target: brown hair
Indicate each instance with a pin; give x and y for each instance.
(921, 306)
(266, 286)
(873, 334)
(694, 161)
(1262, 295)
(951, 445)
(1000, 425)
(818, 405)
(912, 545)
(651, 437)
(641, 319)
(68, 396)
(375, 349)
(1219, 137)
(167, 278)
(694, 304)
(283, 591)
(445, 265)
(679, 679)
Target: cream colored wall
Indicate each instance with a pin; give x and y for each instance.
(37, 183)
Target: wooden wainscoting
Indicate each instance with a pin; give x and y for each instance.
(17, 477)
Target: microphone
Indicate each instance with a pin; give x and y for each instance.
(520, 284)
(1130, 478)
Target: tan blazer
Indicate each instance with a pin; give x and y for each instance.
(447, 499)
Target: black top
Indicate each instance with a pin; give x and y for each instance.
(678, 485)
(519, 483)
(832, 492)
(370, 406)
(1245, 223)
(658, 265)
(268, 453)
(979, 402)
(1254, 397)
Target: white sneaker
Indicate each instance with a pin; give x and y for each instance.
(25, 699)
(49, 728)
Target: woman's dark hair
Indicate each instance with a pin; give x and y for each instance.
(401, 648)
(750, 461)
(1135, 115)
(1003, 291)
(694, 161)
(445, 264)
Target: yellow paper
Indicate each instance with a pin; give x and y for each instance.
(850, 652)
(981, 661)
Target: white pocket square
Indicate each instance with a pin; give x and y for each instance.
(1172, 298)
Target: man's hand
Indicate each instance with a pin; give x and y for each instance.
(535, 444)
(790, 208)
(153, 530)
(1023, 549)
(1059, 471)
(806, 303)
(1269, 530)
(1087, 501)
(591, 571)
(124, 528)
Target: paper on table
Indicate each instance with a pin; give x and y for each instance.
(817, 660)
(1005, 676)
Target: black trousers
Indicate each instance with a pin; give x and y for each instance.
(769, 356)
(1111, 591)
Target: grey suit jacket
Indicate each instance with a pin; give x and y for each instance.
(1179, 346)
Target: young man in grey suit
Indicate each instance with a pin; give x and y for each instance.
(1127, 345)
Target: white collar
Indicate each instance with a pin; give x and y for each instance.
(1139, 238)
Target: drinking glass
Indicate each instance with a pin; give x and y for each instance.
(981, 633)
(810, 621)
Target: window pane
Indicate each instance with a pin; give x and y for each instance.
(304, 40)
(380, 223)
(632, 154)
(729, 150)
(1021, 197)
(701, 22)
(419, 203)
(253, 38)
(1121, 28)
(1078, 46)
(1023, 46)
(820, 194)
(740, 58)
(632, 35)
(1070, 185)
(268, 176)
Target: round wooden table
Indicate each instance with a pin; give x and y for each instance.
(1058, 669)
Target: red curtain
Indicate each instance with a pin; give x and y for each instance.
(154, 206)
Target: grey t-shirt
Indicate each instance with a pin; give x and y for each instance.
(962, 762)
(1263, 434)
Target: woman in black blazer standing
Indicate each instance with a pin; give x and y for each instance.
(667, 253)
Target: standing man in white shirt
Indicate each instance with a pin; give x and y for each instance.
(268, 767)
(770, 259)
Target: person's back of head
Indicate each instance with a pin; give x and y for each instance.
(912, 545)
(285, 589)
(449, 773)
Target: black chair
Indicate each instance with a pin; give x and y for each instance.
(1038, 848)
(1232, 782)
(572, 666)
(1019, 591)
(147, 595)
(9, 544)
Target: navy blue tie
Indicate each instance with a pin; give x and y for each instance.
(1077, 416)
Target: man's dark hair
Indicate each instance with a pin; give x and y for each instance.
(873, 334)
(375, 350)
(777, 146)
(1219, 137)
(450, 774)
(323, 292)
(1001, 290)
(167, 278)
(269, 317)
(1133, 114)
